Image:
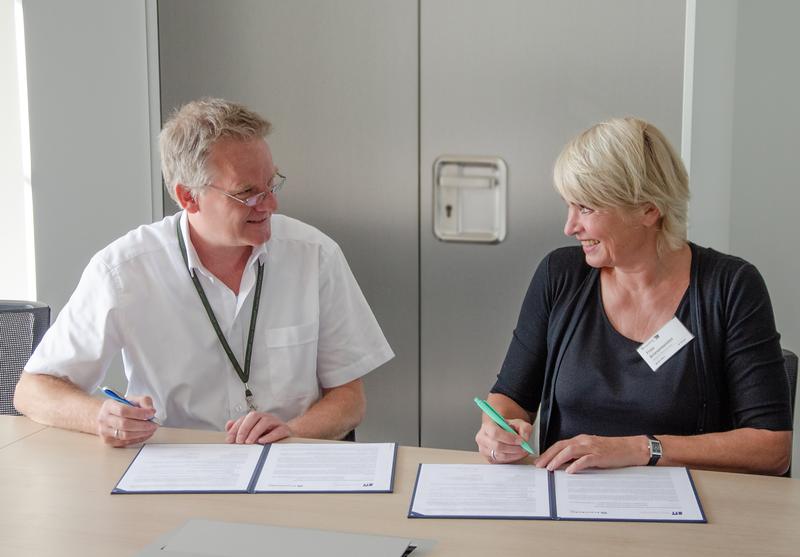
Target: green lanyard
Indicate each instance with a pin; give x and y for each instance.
(244, 375)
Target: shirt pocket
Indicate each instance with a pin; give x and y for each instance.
(292, 361)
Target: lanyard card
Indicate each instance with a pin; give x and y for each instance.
(665, 343)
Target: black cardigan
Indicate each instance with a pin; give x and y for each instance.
(741, 378)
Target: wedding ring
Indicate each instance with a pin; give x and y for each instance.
(116, 434)
(494, 459)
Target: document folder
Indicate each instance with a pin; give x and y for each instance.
(276, 468)
(209, 538)
(509, 491)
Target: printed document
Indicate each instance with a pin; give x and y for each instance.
(469, 490)
(637, 493)
(197, 468)
(321, 467)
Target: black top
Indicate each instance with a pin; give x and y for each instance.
(603, 377)
(739, 376)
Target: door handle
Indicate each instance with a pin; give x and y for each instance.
(469, 199)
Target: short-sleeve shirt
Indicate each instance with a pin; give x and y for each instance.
(314, 328)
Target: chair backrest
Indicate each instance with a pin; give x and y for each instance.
(22, 326)
(790, 364)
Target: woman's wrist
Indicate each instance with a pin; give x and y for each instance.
(642, 448)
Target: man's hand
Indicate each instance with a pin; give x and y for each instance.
(256, 427)
(120, 425)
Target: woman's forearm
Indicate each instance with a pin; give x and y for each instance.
(759, 451)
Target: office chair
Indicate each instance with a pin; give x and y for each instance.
(22, 326)
(790, 365)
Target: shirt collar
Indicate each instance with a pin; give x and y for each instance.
(192, 259)
(259, 252)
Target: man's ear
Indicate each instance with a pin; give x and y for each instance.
(185, 199)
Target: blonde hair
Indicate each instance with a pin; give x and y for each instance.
(624, 163)
(192, 130)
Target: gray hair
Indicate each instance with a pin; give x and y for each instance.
(624, 163)
(190, 132)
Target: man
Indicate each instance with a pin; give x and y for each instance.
(228, 316)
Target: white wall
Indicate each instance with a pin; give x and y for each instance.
(90, 127)
(15, 278)
(744, 141)
(708, 118)
(765, 183)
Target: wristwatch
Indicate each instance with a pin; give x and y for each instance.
(655, 449)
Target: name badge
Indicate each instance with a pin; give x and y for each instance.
(665, 343)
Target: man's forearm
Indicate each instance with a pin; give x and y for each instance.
(338, 412)
(57, 402)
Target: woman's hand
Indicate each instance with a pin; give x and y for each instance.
(500, 446)
(593, 451)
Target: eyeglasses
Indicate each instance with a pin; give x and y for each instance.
(275, 184)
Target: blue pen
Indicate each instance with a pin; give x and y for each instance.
(113, 395)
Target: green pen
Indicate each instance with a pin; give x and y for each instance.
(498, 419)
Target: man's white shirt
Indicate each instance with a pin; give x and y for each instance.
(314, 328)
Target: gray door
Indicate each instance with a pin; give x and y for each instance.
(338, 81)
(366, 94)
(516, 79)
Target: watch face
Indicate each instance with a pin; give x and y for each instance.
(655, 447)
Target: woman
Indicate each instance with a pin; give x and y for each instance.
(720, 401)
